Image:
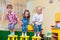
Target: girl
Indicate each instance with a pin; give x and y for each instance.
(37, 21)
(25, 21)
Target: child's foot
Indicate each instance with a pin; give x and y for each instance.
(12, 33)
(35, 35)
(22, 34)
(38, 35)
(25, 34)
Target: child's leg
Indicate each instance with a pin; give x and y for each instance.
(26, 30)
(35, 34)
(12, 32)
(38, 34)
(22, 33)
(25, 33)
(39, 30)
(11, 27)
(23, 30)
(35, 30)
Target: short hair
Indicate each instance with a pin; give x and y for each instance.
(9, 5)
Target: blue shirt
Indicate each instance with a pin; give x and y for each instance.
(25, 21)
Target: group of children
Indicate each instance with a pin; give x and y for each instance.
(12, 20)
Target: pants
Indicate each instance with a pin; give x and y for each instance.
(37, 28)
(24, 28)
(11, 26)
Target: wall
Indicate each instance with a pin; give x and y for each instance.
(48, 12)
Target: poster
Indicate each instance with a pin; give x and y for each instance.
(50, 1)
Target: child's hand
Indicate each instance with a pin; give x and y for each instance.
(21, 23)
(37, 23)
(31, 24)
(9, 22)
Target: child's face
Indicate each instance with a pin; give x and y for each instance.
(39, 10)
(9, 10)
(26, 14)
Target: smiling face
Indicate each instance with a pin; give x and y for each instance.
(9, 10)
(26, 14)
(38, 10)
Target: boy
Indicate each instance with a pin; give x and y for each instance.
(11, 18)
(37, 20)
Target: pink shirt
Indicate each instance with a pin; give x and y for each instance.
(12, 18)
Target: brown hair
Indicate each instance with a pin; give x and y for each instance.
(28, 14)
(9, 5)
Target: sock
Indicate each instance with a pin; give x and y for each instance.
(38, 34)
(12, 33)
(25, 34)
(35, 34)
(22, 34)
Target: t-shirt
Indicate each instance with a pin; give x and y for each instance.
(37, 18)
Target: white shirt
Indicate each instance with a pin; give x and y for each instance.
(37, 18)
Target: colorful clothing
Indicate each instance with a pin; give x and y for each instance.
(25, 24)
(12, 18)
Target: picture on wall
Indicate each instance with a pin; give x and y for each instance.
(50, 1)
(59, 0)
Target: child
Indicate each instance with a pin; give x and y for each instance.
(37, 21)
(25, 21)
(11, 18)
(57, 24)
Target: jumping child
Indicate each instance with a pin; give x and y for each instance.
(11, 18)
(37, 21)
(25, 22)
